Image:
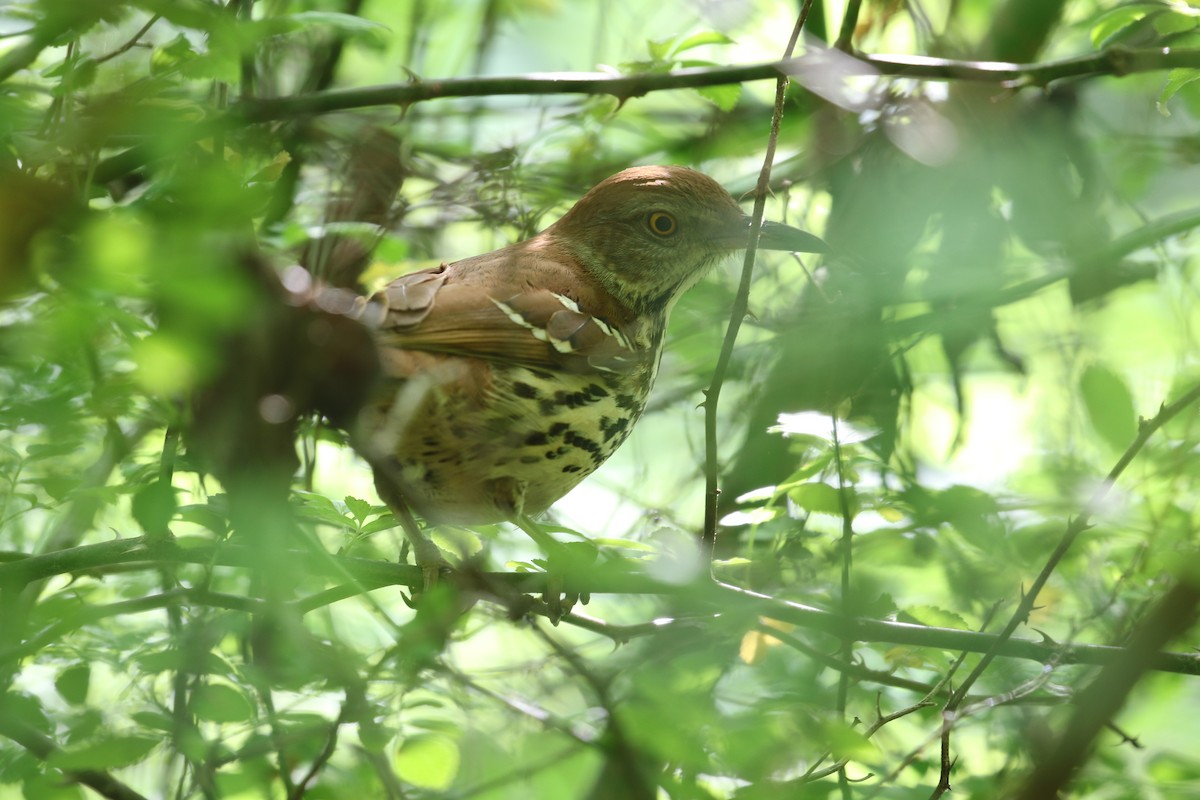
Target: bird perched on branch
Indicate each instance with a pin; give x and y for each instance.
(511, 376)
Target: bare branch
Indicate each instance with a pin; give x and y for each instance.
(1114, 61)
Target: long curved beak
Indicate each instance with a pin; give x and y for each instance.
(777, 236)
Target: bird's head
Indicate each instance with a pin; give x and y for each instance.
(648, 234)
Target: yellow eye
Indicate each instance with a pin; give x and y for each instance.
(662, 224)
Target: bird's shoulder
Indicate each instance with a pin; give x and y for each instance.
(522, 304)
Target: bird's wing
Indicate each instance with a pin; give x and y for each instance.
(537, 328)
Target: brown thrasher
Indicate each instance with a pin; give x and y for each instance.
(511, 376)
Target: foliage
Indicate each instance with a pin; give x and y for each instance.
(957, 458)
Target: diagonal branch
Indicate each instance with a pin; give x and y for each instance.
(1095, 706)
(1076, 526)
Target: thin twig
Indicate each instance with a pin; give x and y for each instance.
(847, 558)
(741, 303)
(133, 40)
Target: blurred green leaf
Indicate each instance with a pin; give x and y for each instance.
(428, 761)
(108, 753)
(1176, 80)
(819, 498)
(1112, 22)
(348, 24)
(49, 787)
(153, 506)
(175, 660)
(723, 97)
(72, 684)
(1177, 20)
(1109, 405)
(216, 702)
(699, 40)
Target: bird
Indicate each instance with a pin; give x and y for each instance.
(509, 377)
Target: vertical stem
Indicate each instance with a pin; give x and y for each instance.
(847, 554)
(741, 303)
(849, 23)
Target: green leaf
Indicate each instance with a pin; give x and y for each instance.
(846, 742)
(973, 513)
(343, 23)
(28, 710)
(328, 516)
(217, 702)
(171, 55)
(659, 49)
(699, 40)
(428, 761)
(1176, 21)
(72, 684)
(83, 726)
(361, 509)
(153, 506)
(173, 660)
(818, 498)
(206, 516)
(111, 753)
(1110, 23)
(35, 452)
(1176, 80)
(723, 97)
(624, 544)
(1109, 405)
(49, 786)
(932, 616)
(374, 736)
(153, 720)
(384, 523)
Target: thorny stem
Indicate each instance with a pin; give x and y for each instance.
(741, 303)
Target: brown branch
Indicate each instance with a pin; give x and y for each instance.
(1114, 61)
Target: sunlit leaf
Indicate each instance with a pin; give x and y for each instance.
(819, 498)
(723, 97)
(1176, 80)
(1109, 405)
(359, 508)
(1114, 21)
(429, 761)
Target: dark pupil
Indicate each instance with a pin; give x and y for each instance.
(662, 223)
